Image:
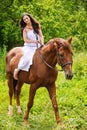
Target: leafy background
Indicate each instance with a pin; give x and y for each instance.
(58, 18)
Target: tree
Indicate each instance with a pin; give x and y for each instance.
(57, 18)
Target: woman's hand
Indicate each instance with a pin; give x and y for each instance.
(36, 41)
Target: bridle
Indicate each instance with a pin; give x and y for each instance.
(51, 67)
(63, 65)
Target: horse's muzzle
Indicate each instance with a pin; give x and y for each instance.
(69, 76)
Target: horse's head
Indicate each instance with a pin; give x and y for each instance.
(64, 55)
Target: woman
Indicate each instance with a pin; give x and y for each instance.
(33, 38)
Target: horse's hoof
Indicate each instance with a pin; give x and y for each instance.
(26, 123)
(60, 123)
(19, 109)
(10, 111)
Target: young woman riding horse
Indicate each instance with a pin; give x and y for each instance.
(33, 38)
(43, 72)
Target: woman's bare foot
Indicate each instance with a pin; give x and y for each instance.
(16, 73)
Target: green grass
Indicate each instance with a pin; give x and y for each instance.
(71, 97)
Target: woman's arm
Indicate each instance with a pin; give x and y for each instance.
(26, 39)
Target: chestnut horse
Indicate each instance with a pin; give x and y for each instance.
(43, 72)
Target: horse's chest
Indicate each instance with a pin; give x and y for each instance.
(43, 76)
(49, 77)
(47, 73)
(52, 76)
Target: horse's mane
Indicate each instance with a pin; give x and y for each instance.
(48, 46)
(54, 44)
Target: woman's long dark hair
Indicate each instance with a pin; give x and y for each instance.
(35, 24)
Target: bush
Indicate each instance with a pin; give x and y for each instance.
(2, 62)
(57, 18)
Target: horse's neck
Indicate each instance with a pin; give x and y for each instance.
(50, 57)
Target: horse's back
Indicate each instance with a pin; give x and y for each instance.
(38, 72)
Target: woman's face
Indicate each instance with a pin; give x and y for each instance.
(26, 19)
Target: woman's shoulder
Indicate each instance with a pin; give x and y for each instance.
(27, 29)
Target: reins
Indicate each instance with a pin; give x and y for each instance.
(45, 61)
(51, 67)
(41, 54)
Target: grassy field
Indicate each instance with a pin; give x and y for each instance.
(71, 97)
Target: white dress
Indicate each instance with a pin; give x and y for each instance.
(28, 51)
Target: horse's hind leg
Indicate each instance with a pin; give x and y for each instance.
(18, 91)
(52, 93)
(10, 85)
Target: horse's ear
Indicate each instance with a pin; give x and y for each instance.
(46, 48)
(55, 44)
(70, 40)
(58, 43)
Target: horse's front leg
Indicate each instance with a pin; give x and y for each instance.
(52, 93)
(18, 91)
(32, 92)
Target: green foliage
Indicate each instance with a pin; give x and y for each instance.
(81, 66)
(58, 19)
(2, 62)
(71, 97)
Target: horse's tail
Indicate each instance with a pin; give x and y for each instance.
(11, 81)
(14, 87)
(8, 59)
